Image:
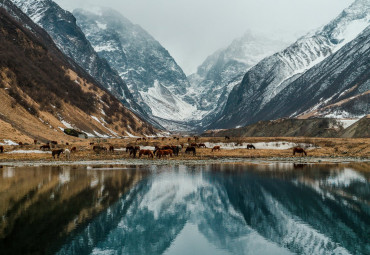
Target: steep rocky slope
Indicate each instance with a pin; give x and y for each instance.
(157, 83)
(61, 26)
(42, 93)
(224, 69)
(315, 127)
(317, 70)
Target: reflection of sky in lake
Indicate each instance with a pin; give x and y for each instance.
(212, 209)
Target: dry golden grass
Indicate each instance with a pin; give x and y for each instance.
(337, 147)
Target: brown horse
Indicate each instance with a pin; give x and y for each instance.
(35, 142)
(216, 148)
(227, 137)
(74, 149)
(299, 150)
(161, 153)
(194, 144)
(146, 152)
(111, 148)
(1, 149)
(202, 145)
(45, 147)
(56, 152)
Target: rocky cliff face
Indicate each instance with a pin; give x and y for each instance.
(43, 92)
(61, 26)
(310, 73)
(224, 69)
(158, 84)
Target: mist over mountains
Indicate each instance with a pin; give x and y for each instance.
(323, 74)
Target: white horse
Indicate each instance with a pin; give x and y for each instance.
(67, 153)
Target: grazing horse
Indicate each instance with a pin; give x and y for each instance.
(45, 147)
(250, 146)
(190, 149)
(56, 152)
(67, 153)
(1, 149)
(129, 148)
(216, 148)
(111, 148)
(54, 142)
(161, 153)
(20, 144)
(91, 143)
(202, 145)
(227, 137)
(299, 150)
(189, 139)
(138, 139)
(146, 152)
(74, 149)
(176, 150)
(98, 149)
(35, 142)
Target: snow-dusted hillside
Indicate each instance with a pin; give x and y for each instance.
(221, 71)
(61, 26)
(158, 84)
(261, 94)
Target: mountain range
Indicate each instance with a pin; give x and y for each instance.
(323, 74)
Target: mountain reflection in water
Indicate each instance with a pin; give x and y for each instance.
(212, 209)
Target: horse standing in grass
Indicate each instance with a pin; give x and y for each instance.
(45, 147)
(299, 150)
(1, 149)
(190, 149)
(74, 149)
(56, 152)
(250, 146)
(161, 153)
(111, 148)
(227, 137)
(202, 145)
(149, 153)
(216, 148)
(67, 153)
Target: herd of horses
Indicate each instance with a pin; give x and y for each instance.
(134, 151)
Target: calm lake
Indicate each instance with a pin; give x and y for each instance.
(202, 209)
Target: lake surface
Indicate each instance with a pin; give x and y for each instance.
(203, 209)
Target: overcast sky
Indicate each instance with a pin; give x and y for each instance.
(193, 29)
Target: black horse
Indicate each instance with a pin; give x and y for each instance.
(250, 146)
(190, 149)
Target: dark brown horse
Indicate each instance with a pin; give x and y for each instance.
(45, 147)
(299, 150)
(216, 148)
(99, 149)
(111, 148)
(227, 137)
(149, 153)
(1, 149)
(250, 146)
(190, 149)
(35, 142)
(129, 148)
(161, 153)
(56, 152)
(74, 149)
(202, 145)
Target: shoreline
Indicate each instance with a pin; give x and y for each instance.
(148, 162)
